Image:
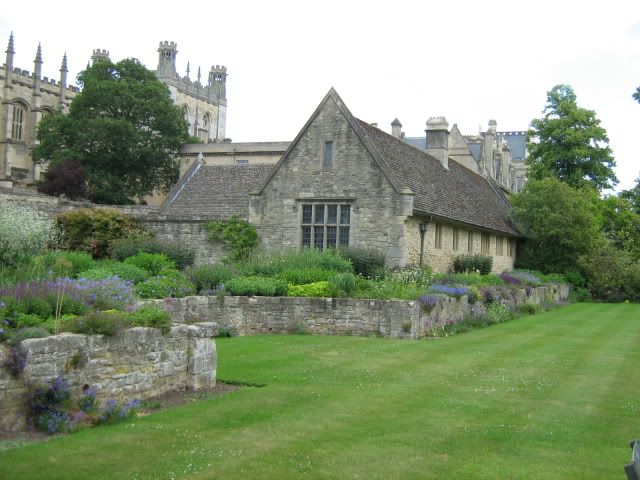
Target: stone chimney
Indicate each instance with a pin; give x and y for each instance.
(396, 128)
(438, 139)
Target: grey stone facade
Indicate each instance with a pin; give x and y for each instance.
(138, 363)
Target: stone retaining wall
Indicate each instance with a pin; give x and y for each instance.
(138, 363)
(332, 316)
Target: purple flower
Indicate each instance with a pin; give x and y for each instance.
(447, 290)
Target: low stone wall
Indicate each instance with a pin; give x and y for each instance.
(138, 363)
(332, 316)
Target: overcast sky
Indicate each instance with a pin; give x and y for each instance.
(469, 61)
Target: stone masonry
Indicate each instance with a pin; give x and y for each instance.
(138, 363)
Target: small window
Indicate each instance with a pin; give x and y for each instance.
(499, 245)
(485, 241)
(470, 242)
(438, 239)
(456, 238)
(327, 157)
(242, 162)
(17, 122)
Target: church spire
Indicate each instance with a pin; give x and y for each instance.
(63, 71)
(188, 70)
(37, 63)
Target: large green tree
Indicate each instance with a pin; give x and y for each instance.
(568, 143)
(560, 224)
(123, 128)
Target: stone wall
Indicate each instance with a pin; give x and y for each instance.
(335, 316)
(187, 231)
(138, 363)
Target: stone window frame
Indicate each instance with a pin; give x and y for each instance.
(329, 163)
(499, 246)
(437, 242)
(511, 247)
(19, 121)
(485, 243)
(318, 230)
(470, 241)
(455, 238)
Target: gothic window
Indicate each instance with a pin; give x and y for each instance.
(325, 225)
(206, 122)
(18, 121)
(485, 241)
(438, 240)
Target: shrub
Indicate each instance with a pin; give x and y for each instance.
(208, 277)
(530, 278)
(35, 306)
(66, 178)
(316, 289)
(16, 361)
(365, 261)
(305, 275)
(97, 323)
(528, 308)
(47, 406)
(95, 230)
(114, 411)
(26, 333)
(261, 286)
(498, 312)
(473, 263)
(125, 271)
(237, 234)
(430, 301)
(153, 263)
(579, 294)
(421, 276)
(67, 264)
(181, 255)
(150, 316)
(24, 232)
(168, 283)
(575, 278)
(470, 278)
(273, 262)
(343, 284)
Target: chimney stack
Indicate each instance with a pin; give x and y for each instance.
(438, 139)
(396, 128)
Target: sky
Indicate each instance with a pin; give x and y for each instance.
(470, 61)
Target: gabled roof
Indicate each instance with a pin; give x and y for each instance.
(456, 194)
(214, 192)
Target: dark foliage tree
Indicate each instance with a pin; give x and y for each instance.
(636, 95)
(621, 224)
(122, 128)
(66, 178)
(568, 143)
(560, 224)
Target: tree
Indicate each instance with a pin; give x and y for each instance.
(122, 128)
(560, 224)
(568, 143)
(633, 196)
(65, 178)
(637, 94)
(621, 224)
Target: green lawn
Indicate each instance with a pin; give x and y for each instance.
(555, 395)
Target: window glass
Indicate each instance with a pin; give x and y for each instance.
(319, 216)
(306, 213)
(327, 160)
(345, 214)
(319, 225)
(332, 214)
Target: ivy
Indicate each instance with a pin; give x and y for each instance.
(236, 234)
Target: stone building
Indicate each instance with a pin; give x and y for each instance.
(24, 99)
(498, 155)
(343, 181)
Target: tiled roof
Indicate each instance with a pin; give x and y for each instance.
(215, 192)
(457, 193)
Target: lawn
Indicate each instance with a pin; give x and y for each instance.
(555, 395)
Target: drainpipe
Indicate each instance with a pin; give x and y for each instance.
(423, 231)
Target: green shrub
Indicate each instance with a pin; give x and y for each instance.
(412, 274)
(22, 320)
(125, 271)
(35, 305)
(498, 312)
(208, 277)
(261, 286)
(237, 234)
(153, 263)
(473, 263)
(575, 278)
(272, 263)
(181, 255)
(528, 309)
(26, 333)
(580, 294)
(100, 323)
(305, 275)
(24, 232)
(168, 283)
(316, 289)
(150, 316)
(343, 284)
(612, 275)
(365, 261)
(95, 230)
(67, 264)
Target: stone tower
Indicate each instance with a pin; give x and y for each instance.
(167, 52)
